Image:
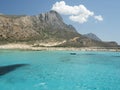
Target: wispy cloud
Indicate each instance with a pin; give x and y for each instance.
(78, 13)
(99, 18)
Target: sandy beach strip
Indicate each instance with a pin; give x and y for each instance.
(30, 47)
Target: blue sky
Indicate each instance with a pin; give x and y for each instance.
(108, 29)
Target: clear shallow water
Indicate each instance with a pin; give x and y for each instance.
(59, 70)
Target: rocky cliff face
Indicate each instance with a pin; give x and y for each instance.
(43, 27)
(19, 28)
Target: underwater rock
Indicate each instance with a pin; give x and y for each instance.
(9, 68)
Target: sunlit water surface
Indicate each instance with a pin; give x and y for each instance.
(61, 70)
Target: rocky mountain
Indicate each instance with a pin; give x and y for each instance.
(39, 27)
(92, 36)
(45, 27)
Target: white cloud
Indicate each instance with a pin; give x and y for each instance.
(81, 18)
(78, 18)
(62, 8)
(99, 18)
(78, 13)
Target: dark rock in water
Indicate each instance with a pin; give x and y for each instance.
(72, 53)
(9, 68)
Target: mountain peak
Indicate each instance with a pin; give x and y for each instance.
(52, 11)
(92, 36)
(45, 27)
(51, 17)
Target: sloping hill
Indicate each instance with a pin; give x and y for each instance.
(92, 36)
(45, 27)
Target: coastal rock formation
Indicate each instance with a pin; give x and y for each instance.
(45, 27)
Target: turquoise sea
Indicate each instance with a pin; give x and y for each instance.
(60, 70)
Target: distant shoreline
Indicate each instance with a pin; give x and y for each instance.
(30, 47)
